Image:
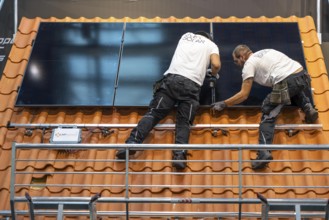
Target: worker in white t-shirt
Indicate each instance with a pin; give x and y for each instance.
(180, 86)
(289, 82)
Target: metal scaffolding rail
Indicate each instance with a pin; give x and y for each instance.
(167, 126)
(86, 206)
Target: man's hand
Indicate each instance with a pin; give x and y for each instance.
(209, 74)
(218, 106)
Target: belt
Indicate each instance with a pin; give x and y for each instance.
(183, 77)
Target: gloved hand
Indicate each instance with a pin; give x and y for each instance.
(218, 106)
(209, 74)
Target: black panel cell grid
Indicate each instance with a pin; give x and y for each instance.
(147, 53)
(283, 37)
(78, 64)
(72, 64)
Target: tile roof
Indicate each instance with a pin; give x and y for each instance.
(60, 161)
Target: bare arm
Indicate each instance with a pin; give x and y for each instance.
(242, 95)
(215, 64)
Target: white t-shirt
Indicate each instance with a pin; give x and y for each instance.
(192, 57)
(268, 67)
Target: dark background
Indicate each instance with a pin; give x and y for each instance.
(6, 32)
(166, 8)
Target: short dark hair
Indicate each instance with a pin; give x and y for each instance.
(205, 34)
(241, 48)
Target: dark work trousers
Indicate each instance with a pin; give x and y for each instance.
(174, 90)
(298, 84)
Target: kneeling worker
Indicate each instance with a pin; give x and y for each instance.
(181, 85)
(289, 82)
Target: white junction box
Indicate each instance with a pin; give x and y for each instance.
(66, 136)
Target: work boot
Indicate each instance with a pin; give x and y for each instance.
(311, 114)
(179, 155)
(263, 158)
(121, 154)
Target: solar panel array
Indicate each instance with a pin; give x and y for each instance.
(116, 64)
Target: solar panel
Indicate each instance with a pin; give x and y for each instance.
(72, 64)
(283, 37)
(116, 64)
(148, 49)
